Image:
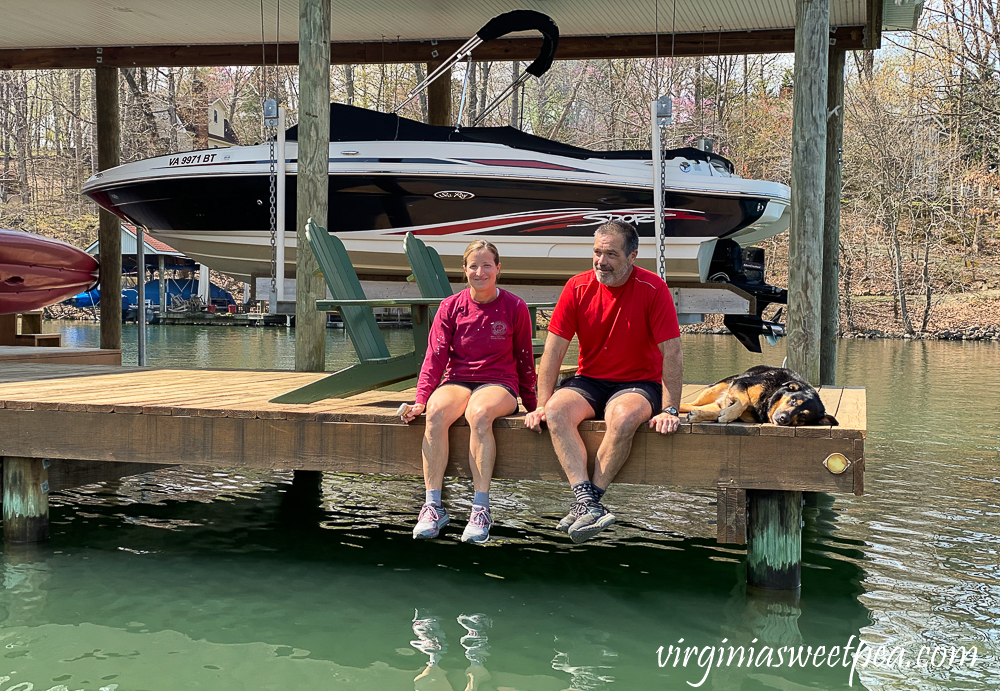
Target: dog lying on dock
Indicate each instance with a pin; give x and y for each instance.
(761, 394)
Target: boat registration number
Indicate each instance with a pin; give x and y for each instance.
(192, 159)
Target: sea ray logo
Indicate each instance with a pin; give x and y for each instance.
(454, 194)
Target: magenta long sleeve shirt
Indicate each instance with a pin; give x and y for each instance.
(480, 342)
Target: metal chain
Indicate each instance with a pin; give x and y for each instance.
(661, 123)
(274, 215)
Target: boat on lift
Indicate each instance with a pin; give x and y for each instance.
(539, 200)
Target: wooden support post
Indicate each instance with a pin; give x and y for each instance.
(731, 514)
(110, 232)
(774, 539)
(774, 521)
(301, 506)
(25, 500)
(805, 241)
(162, 273)
(313, 179)
(830, 327)
(439, 98)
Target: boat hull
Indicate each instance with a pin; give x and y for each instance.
(541, 210)
(37, 271)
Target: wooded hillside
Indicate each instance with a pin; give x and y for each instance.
(921, 198)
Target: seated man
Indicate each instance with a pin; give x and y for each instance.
(630, 370)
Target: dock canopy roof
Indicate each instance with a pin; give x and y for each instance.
(129, 33)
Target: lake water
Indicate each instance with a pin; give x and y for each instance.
(207, 578)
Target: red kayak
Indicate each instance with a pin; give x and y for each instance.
(36, 271)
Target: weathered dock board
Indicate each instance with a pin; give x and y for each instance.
(223, 418)
(60, 355)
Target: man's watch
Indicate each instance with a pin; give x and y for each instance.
(670, 410)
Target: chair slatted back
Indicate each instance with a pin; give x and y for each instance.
(343, 283)
(427, 267)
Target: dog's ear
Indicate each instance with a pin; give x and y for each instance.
(794, 387)
(828, 420)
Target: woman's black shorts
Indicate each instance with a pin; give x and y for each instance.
(474, 386)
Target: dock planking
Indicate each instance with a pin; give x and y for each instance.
(223, 418)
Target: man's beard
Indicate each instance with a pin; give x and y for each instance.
(611, 278)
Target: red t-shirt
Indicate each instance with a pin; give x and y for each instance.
(480, 342)
(618, 328)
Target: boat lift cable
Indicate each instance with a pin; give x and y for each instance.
(509, 22)
(661, 112)
(520, 115)
(271, 124)
(465, 85)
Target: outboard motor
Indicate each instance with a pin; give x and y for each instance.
(744, 269)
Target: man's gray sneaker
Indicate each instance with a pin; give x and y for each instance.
(579, 508)
(596, 519)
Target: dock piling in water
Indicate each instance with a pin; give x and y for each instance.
(25, 500)
(774, 540)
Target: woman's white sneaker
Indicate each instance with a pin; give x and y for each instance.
(430, 522)
(478, 529)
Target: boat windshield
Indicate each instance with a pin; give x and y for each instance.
(353, 124)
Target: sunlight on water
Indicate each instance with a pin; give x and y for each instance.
(204, 578)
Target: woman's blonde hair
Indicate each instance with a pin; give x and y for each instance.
(477, 245)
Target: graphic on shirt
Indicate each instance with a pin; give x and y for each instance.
(499, 329)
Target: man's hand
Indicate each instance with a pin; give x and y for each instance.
(665, 423)
(535, 418)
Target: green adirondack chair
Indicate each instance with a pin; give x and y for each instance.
(429, 274)
(377, 368)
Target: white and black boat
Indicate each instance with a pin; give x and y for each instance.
(537, 199)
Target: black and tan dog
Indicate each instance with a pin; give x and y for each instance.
(761, 394)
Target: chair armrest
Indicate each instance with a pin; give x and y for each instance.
(333, 305)
(540, 305)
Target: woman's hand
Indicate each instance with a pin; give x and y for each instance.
(535, 418)
(407, 413)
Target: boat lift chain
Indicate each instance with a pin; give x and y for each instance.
(662, 264)
(660, 111)
(271, 122)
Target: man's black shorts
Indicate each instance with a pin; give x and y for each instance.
(599, 392)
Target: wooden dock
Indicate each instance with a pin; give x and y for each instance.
(222, 418)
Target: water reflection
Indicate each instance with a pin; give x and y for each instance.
(432, 641)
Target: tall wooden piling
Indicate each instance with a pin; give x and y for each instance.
(25, 500)
(805, 241)
(109, 233)
(439, 97)
(313, 179)
(774, 519)
(774, 539)
(830, 322)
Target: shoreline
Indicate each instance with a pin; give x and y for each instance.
(970, 333)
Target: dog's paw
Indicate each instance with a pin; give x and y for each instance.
(702, 416)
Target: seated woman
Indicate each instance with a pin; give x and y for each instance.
(480, 342)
